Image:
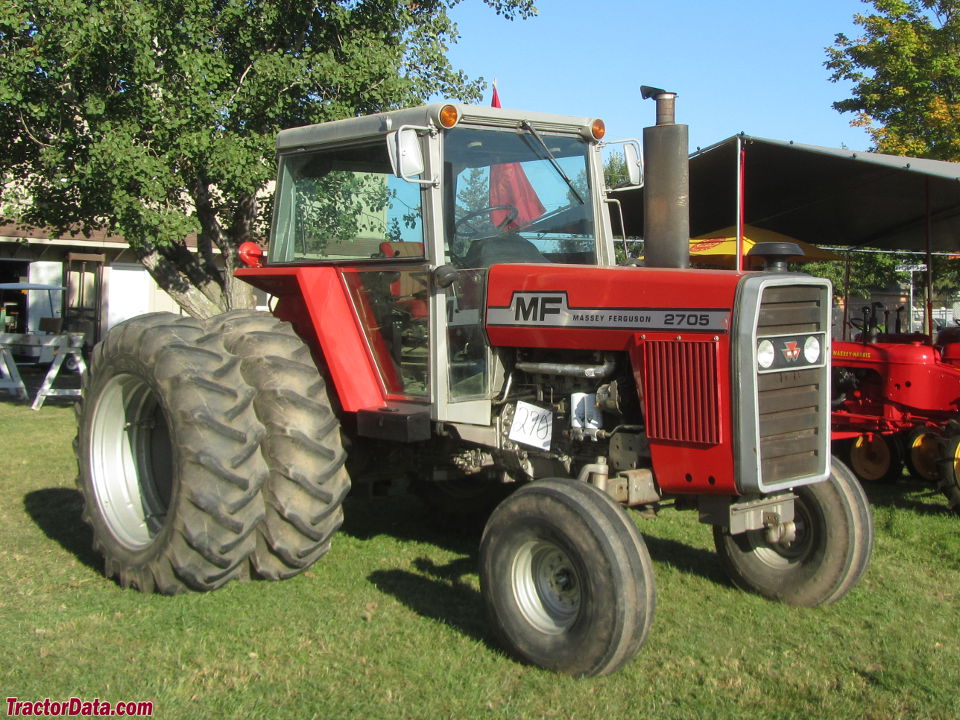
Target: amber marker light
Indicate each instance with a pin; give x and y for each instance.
(449, 116)
(598, 129)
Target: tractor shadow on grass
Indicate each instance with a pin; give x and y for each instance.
(686, 559)
(908, 494)
(404, 517)
(448, 592)
(439, 591)
(57, 512)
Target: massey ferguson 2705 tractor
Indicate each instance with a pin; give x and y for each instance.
(448, 315)
(896, 401)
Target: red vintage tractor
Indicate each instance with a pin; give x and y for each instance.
(896, 401)
(448, 315)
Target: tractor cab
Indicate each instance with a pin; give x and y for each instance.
(409, 209)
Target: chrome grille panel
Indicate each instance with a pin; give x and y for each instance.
(783, 424)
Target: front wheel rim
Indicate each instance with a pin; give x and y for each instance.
(547, 586)
(783, 555)
(130, 461)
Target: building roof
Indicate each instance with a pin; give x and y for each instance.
(821, 195)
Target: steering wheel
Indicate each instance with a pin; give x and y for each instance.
(464, 227)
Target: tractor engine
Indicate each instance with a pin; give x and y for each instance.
(667, 392)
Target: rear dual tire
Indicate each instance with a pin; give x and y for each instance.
(307, 482)
(168, 452)
(189, 477)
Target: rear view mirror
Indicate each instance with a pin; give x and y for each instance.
(631, 151)
(406, 156)
(627, 152)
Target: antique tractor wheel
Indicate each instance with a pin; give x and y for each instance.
(923, 452)
(566, 578)
(826, 556)
(950, 473)
(168, 456)
(876, 458)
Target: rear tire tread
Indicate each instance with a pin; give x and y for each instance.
(307, 482)
(208, 420)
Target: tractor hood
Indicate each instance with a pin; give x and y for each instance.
(595, 308)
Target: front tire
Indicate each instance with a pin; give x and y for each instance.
(828, 556)
(167, 450)
(566, 578)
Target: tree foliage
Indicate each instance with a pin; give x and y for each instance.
(861, 273)
(156, 119)
(905, 71)
(615, 172)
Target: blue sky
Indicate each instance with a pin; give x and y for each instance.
(754, 66)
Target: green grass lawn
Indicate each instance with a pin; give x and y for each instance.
(390, 623)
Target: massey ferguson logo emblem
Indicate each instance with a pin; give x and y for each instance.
(791, 350)
(551, 309)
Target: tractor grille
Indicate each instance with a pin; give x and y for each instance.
(789, 423)
(681, 391)
(788, 402)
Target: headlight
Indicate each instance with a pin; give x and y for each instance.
(811, 350)
(765, 354)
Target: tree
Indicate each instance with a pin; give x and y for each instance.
(860, 273)
(615, 171)
(905, 70)
(156, 119)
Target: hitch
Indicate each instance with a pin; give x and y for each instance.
(772, 513)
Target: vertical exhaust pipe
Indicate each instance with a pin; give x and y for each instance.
(666, 191)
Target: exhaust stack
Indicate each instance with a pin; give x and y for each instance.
(666, 192)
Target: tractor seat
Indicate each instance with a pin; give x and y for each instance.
(509, 248)
(410, 289)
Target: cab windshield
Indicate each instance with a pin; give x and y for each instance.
(519, 196)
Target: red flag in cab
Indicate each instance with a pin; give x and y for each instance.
(509, 186)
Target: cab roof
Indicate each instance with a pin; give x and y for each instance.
(372, 126)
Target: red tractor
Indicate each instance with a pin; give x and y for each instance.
(896, 401)
(448, 314)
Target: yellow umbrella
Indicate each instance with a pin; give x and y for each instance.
(720, 247)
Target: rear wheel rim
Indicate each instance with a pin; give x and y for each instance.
(131, 461)
(547, 586)
(924, 453)
(955, 465)
(871, 457)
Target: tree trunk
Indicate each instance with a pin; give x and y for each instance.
(188, 295)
